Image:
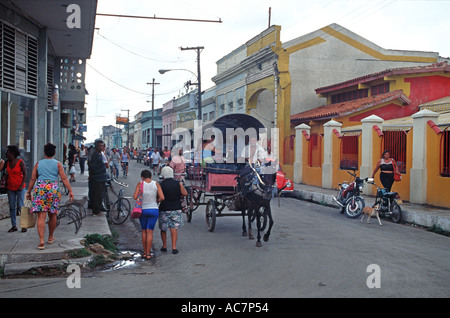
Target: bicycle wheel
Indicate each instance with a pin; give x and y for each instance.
(105, 201)
(120, 211)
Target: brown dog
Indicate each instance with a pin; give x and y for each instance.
(370, 212)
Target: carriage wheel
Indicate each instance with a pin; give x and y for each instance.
(189, 204)
(211, 215)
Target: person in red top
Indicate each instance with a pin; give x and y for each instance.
(17, 174)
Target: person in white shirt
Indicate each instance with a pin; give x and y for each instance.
(155, 157)
(253, 152)
(114, 159)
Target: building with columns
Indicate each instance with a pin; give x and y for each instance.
(403, 110)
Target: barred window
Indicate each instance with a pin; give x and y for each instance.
(348, 96)
(349, 152)
(380, 89)
(314, 151)
(395, 142)
(444, 160)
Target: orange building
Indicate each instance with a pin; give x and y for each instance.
(368, 114)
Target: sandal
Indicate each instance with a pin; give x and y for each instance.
(41, 246)
(13, 229)
(163, 249)
(51, 241)
(24, 230)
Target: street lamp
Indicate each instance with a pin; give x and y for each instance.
(199, 89)
(177, 69)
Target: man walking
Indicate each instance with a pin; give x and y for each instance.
(97, 177)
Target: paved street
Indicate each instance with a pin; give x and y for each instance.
(313, 252)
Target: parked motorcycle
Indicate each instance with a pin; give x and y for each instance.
(349, 196)
(389, 208)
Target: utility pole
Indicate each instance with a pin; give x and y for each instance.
(128, 126)
(199, 93)
(153, 111)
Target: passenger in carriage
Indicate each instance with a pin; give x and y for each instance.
(253, 152)
(208, 151)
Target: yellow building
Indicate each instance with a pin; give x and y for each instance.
(278, 79)
(384, 110)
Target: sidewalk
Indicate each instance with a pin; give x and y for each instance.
(18, 251)
(422, 215)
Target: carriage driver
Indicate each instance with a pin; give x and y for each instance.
(253, 152)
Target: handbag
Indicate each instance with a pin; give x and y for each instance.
(27, 219)
(397, 177)
(72, 170)
(4, 180)
(137, 210)
(3, 183)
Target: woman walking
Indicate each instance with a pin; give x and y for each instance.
(72, 159)
(151, 195)
(387, 167)
(170, 209)
(44, 180)
(17, 174)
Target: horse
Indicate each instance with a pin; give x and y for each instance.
(254, 195)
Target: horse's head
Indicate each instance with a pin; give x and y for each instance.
(253, 182)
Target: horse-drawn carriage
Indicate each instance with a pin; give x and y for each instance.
(231, 183)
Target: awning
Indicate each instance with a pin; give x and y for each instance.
(234, 121)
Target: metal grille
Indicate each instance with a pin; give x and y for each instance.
(395, 142)
(32, 66)
(315, 154)
(9, 57)
(349, 152)
(444, 161)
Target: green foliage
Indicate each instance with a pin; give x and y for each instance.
(107, 241)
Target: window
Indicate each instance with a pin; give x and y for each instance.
(349, 153)
(314, 151)
(348, 96)
(18, 60)
(444, 163)
(395, 142)
(380, 89)
(240, 103)
(230, 107)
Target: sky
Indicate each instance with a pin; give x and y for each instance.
(127, 53)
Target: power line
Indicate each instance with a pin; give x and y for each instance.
(156, 18)
(137, 54)
(130, 89)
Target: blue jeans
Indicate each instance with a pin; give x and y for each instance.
(15, 199)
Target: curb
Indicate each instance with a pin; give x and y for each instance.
(425, 219)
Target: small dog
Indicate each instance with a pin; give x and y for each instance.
(370, 212)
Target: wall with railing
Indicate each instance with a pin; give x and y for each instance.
(324, 154)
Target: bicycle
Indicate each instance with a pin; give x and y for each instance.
(119, 211)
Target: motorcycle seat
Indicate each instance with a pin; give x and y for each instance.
(391, 194)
